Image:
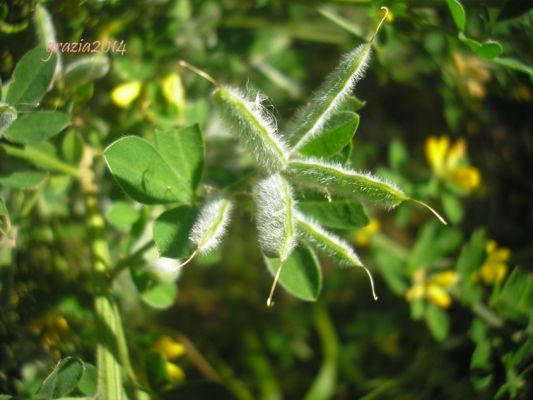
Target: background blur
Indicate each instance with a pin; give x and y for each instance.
(447, 115)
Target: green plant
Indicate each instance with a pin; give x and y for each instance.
(73, 242)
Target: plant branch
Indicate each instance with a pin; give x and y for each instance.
(111, 349)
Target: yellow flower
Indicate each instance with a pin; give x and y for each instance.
(494, 269)
(123, 95)
(434, 288)
(173, 91)
(174, 372)
(362, 236)
(447, 162)
(170, 348)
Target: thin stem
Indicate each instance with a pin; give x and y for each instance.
(42, 159)
(386, 10)
(269, 302)
(199, 72)
(371, 282)
(188, 260)
(439, 217)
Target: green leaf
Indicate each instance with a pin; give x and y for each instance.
(171, 232)
(336, 214)
(516, 297)
(156, 370)
(37, 126)
(122, 215)
(183, 150)
(437, 321)
(452, 208)
(32, 78)
(472, 255)
(458, 13)
(22, 179)
(516, 65)
(86, 69)
(301, 275)
(194, 390)
(336, 135)
(154, 292)
(63, 379)
(487, 50)
(361, 186)
(143, 173)
(352, 104)
(8, 115)
(88, 382)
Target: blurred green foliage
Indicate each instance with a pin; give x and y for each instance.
(445, 112)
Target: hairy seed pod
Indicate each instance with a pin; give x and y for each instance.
(327, 242)
(331, 245)
(275, 216)
(335, 178)
(210, 226)
(254, 127)
(311, 119)
(46, 33)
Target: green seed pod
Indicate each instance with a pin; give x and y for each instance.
(311, 119)
(46, 32)
(86, 69)
(275, 216)
(331, 245)
(327, 242)
(209, 228)
(335, 178)
(255, 127)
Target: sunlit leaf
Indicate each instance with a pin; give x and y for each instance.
(37, 126)
(301, 275)
(32, 78)
(144, 174)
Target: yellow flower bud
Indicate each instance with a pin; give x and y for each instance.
(174, 372)
(438, 296)
(169, 347)
(123, 95)
(173, 91)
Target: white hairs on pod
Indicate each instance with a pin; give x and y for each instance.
(310, 120)
(331, 245)
(210, 226)
(327, 242)
(363, 186)
(254, 126)
(275, 216)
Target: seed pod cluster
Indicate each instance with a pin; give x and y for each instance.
(280, 225)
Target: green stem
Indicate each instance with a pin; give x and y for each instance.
(324, 384)
(40, 158)
(111, 350)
